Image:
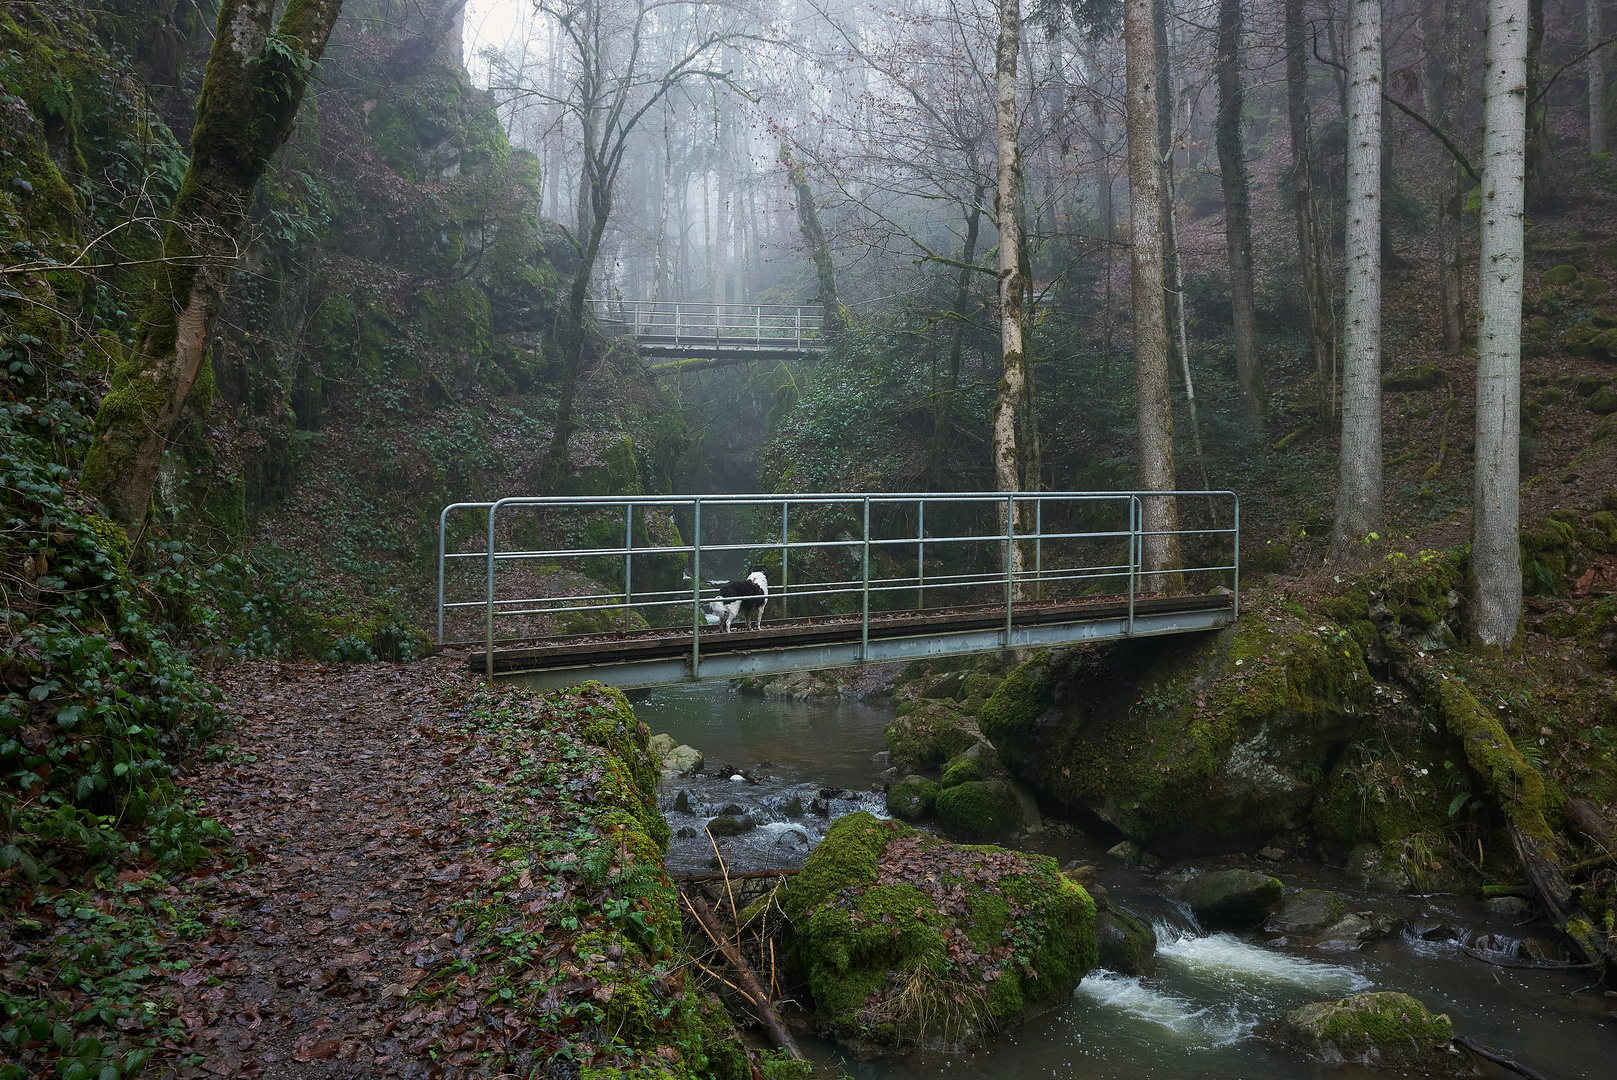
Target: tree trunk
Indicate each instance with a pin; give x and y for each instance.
(1160, 552)
(962, 296)
(1597, 80)
(1495, 543)
(1012, 285)
(1358, 491)
(1237, 211)
(251, 91)
(1311, 246)
(1540, 183)
(1449, 81)
(808, 223)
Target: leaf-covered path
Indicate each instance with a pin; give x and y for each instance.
(342, 791)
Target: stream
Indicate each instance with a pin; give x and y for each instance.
(792, 766)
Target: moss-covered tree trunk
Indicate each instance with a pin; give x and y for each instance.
(808, 223)
(255, 80)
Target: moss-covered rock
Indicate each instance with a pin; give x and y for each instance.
(979, 808)
(1234, 898)
(1214, 742)
(929, 734)
(908, 940)
(1555, 276)
(1603, 402)
(1421, 377)
(912, 798)
(1127, 944)
(1383, 1030)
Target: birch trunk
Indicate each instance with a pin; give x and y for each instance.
(257, 72)
(1597, 80)
(1495, 543)
(1160, 555)
(1358, 490)
(1311, 247)
(1237, 211)
(1012, 285)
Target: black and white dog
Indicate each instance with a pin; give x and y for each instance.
(746, 598)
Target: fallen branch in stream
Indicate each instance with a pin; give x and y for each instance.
(750, 875)
(749, 985)
(1498, 1058)
(1501, 960)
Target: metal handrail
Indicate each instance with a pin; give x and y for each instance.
(680, 324)
(1015, 544)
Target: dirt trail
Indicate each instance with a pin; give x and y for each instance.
(338, 789)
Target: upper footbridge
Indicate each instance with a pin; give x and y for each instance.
(715, 333)
(557, 591)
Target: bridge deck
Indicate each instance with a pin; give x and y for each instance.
(661, 657)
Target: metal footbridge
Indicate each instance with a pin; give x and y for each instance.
(714, 333)
(556, 591)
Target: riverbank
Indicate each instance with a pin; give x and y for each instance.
(428, 878)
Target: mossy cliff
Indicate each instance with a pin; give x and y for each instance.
(1208, 743)
(908, 940)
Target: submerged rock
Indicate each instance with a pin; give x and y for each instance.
(730, 825)
(1233, 898)
(1127, 944)
(1308, 912)
(912, 798)
(683, 761)
(1508, 907)
(909, 940)
(1384, 1030)
(1356, 928)
(979, 808)
(1126, 852)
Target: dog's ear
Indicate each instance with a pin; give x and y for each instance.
(757, 569)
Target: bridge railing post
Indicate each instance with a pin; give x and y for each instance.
(1010, 564)
(920, 554)
(628, 565)
(696, 588)
(1135, 513)
(488, 618)
(864, 618)
(1235, 563)
(785, 550)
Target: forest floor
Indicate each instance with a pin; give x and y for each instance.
(336, 786)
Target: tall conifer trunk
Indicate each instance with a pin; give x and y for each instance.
(1237, 210)
(1495, 540)
(1358, 490)
(1311, 244)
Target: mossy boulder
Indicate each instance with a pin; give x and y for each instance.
(1384, 1030)
(1127, 944)
(912, 798)
(1556, 276)
(1232, 898)
(1603, 401)
(1309, 911)
(979, 809)
(1592, 288)
(1206, 743)
(908, 940)
(1586, 385)
(1420, 377)
(930, 734)
(977, 762)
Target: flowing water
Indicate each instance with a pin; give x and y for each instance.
(793, 766)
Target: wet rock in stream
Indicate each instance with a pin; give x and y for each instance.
(1308, 912)
(1385, 1030)
(1231, 898)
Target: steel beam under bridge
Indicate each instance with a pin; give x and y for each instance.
(853, 579)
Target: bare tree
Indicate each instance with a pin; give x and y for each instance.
(1597, 78)
(624, 57)
(1311, 250)
(1495, 543)
(1012, 282)
(257, 72)
(1237, 209)
(1449, 84)
(1161, 554)
(1358, 490)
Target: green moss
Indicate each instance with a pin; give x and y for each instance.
(890, 963)
(1565, 274)
(1127, 944)
(912, 798)
(1547, 549)
(979, 808)
(1514, 784)
(1387, 1029)
(1422, 377)
(928, 735)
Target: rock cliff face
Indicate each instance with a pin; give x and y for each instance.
(1212, 743)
